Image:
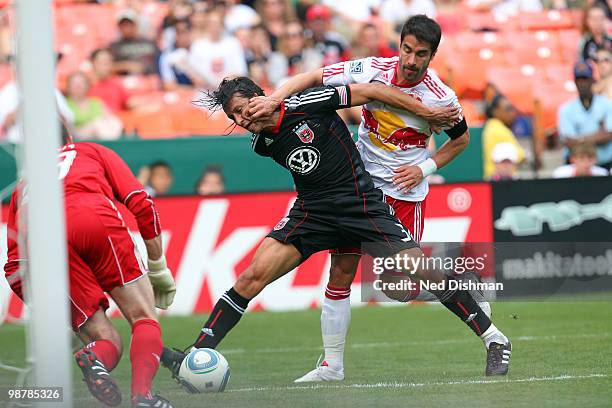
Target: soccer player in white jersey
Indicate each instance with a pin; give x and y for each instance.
(393, 146)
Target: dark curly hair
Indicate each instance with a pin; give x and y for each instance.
(218, 99)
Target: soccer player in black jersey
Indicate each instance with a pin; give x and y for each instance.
(337, 204)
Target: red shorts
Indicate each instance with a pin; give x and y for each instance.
(410, 213)
(101, 255)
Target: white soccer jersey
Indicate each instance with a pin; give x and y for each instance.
(389, 137)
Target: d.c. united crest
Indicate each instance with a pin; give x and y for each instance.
(305, 133)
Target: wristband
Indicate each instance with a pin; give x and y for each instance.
(428, 167)
(156, 265)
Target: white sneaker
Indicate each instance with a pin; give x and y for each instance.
(322, 373)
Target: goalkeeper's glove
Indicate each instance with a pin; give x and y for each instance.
(162, 282)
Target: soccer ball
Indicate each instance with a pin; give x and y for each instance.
(204, 370)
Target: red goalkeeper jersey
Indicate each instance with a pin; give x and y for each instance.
(92, 175)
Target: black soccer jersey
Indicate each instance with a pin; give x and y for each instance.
(312, 142)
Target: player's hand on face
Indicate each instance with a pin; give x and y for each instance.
(407, 177)
(443, 117)
(260, 106)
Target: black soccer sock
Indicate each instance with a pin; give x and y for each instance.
(463, 305)
(225, 315)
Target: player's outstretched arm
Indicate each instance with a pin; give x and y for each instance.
(261, 106)
(436, 116)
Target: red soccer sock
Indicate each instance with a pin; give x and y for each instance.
(106, 352)
(145, 349)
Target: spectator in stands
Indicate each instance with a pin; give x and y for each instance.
(292, 57)
(396, 12)
(211, 181)
(257, 51)
(178, 10)
(198, 21)
(274, 15)
(588, 118)
(505, 157)
(174, 66)
(9, 101)
(105, 86)
(582, 158)
(369, 43)
(133, 54)
(497, 129)
(239, 16)
(217, 56)
(594, 34)
(604, 68)
(92, 120)
(330, 44)
(160, 179)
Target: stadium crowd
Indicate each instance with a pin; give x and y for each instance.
(536, 74)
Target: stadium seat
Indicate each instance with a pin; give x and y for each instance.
(472, 114)
(450, 22)
(471, 41)
(468, 74)
(517, 83)
(569, 40)
(141, 84)
(153, 125)
(549, 97)
(546, 20)
(483, 21)
(533, 54)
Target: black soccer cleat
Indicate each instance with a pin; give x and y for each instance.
(172, 359)
(97, 378)
(498, 358)
(155, 401)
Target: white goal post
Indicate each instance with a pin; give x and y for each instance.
(48, 335)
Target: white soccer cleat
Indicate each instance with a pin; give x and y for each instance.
(322, 373)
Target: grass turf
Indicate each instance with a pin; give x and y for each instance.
(396, 357)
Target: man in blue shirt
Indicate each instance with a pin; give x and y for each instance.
(588, 118)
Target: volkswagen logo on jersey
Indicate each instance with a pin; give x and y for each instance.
(303, 160)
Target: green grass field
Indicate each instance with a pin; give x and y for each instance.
(396, 357)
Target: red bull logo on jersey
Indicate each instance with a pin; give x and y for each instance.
(389, 132)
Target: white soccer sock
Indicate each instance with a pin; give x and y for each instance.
(493, 334)
(335, 320)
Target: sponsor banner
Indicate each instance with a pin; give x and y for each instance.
(561, 231)
(209, 241)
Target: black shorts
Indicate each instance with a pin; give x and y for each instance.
(344, 221)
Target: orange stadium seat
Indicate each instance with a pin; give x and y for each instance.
(451, 23)
(569, 40)
(546, 20)
(479, 21)
(517, 84)
(550, 96)
(472, 114)
(468, 40)
(559, 72)
(141, 84)
(533, 54)
(468, 74)
(153, 125)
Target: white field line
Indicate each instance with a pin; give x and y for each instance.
(366, 345)
(400, 385)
